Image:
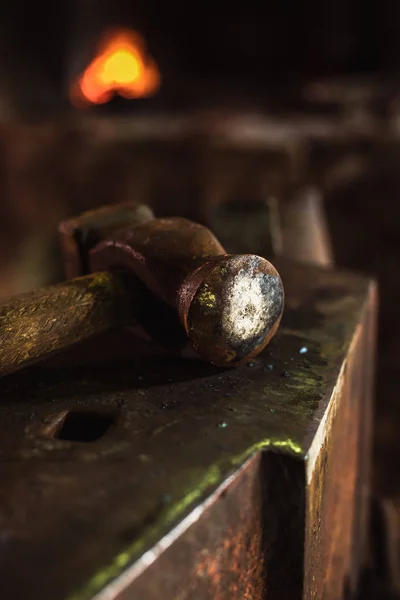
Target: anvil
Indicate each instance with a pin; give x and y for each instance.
(173, 478)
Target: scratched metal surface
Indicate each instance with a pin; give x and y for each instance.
(74, 516)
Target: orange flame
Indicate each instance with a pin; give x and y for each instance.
(121, 66)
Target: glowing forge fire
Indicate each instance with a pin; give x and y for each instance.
(121, 66)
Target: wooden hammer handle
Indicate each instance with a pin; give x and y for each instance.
(41, 323)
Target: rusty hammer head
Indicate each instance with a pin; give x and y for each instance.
(229, 305)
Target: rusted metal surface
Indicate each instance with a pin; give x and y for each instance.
(77, 236)
(198, 482)
(226, 539)
(337, 507)
(229, 305)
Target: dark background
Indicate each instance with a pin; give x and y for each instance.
(43, 43)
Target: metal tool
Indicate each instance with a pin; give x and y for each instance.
(79, 234)
(230, 305)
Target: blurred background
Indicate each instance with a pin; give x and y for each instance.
(43, 43)
(282, 94)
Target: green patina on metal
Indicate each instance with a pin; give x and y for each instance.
(212, 478)
(206, 297)
(167, 442)
(296, 397)
(126, 557)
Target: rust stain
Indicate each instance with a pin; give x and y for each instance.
(235, 569)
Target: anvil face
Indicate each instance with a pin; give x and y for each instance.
(172, 478)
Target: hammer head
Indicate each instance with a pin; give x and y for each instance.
(232, 308)
(230, 305)
(80, 234)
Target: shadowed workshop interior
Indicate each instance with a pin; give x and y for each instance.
(277, 127)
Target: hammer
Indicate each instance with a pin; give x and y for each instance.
(230, 305)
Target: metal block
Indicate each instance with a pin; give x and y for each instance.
(174, 479)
